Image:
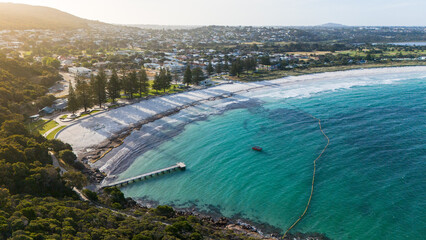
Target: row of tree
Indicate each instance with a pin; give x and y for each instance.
(98, 89)
(194, 76)
(239, 65)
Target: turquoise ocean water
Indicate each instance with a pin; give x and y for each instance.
(370, 183)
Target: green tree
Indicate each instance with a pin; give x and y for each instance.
(72, 99)
(198, 75)
(133, 82)
(84, 93)
(143, 82)
(124, 82)
(218, 68)
(187, 77)
(163, 210)
(157, 82)
(176, 78)
(52, 62)
(75, 179)
(210, 69)
(113, 86)
(226, 65)
(236, 67)
(98, 85)
(93, 196)
(13, 127)
(265, 60)
(68, 156)
(167, 80)
(162, 80)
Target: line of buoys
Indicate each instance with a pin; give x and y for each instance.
(313, 175)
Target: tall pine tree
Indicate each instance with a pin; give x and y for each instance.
(187, 77)
(157, 82)
(84, 94)
(143, 82)
(72, 99)
(98, 85)
(198, 75)
(210, 69)
(218, 68)
(133, 82)
(113, 86)
(167, 80)
(226, 65)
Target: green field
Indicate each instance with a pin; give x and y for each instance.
(54, 132)
(354, 53)
(41, 126)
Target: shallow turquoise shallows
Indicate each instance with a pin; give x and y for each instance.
(370, 183)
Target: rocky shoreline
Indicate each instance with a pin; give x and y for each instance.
(236, 223)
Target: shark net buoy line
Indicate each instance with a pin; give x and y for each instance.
(313, 175)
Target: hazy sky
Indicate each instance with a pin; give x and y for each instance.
(245, 12)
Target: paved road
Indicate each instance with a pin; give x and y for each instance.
(63, 170)
(60, 89)
(56, 163)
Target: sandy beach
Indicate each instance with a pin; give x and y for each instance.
(88, 134)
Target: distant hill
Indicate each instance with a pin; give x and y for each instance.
(332, 25)
(154, 26)
(21, 16)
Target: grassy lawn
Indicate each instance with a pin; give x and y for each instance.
(354, 53)
(35, 125)
(52, 134)
(63, 117)
(87, 114)
(42, 126)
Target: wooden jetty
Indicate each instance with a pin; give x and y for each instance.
(177, 166)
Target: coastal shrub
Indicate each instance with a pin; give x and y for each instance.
(165, 211)
(195, 236)
(75, 179)
(113, 195)
(141, 236)
(13, 127)
(183, 226)
(180, 228)
(78, 165)
(29, 213)
(90, 195)
(68, 156)
(116, 205)
(58, 145)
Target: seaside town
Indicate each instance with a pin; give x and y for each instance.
(204, 131)
(218, 54)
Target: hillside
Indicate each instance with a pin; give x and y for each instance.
(22, 16)
(332, 25)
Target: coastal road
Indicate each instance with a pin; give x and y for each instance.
(56, 163)
(63, 170)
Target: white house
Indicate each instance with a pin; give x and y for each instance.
(80, 71)
(151, 65)
(173, 66)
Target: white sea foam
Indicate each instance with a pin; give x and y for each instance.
(90, 132)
